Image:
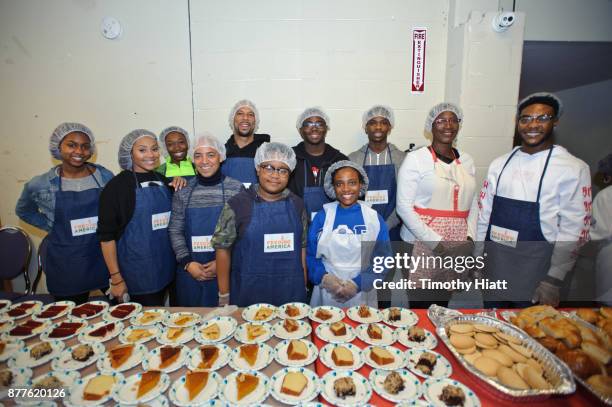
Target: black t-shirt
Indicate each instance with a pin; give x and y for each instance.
(118, 200)
(248, 151)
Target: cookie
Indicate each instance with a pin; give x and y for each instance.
(462, 329)
(514, 355)
(499, 356)
(510, 378)
(462, 341)
(488, 366)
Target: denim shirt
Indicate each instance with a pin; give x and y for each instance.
(36, 205)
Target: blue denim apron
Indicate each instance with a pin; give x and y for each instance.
(314, 197)
(274, 277)
(525, 265)
(145, 256)
(382, 178)
(199, 222)
(74, 263)
(240, 168)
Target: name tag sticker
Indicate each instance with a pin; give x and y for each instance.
(160, 220)
(84, 226)
(377, 197)
(507, 237)
(278, 242)
(201, 244)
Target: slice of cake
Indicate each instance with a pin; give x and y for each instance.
(374, 331)
(52, 311)
(338, 328)
(292, 311)
(65, 329)
(174, 333)
(168, 355)
(195, 382)
(148, 317)
(452, 396)
(393, 383)
(212, 332)
(148, 381)
(395, 314)
(183, 320)
(138, 334)
(381, 356)
(209, 355)
(249, 353)
(262, 314)
(40, 350)
(342, 356)
(294, 383)
(426, 363)
(364, 311)
(416, 334)
(102, 331)
(253, 331)
(119, 355)
(245, 384)
(344, 387)
(297, 350)
(123, 311)
(290, 325)
(81, 353)
(323, 314)
(98, 387)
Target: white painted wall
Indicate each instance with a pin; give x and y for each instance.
(343, 55)
(55, 66)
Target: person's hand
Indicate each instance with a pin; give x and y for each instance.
(118, 290)
(196, 270)
(441, 249)
(331, 284)
(210, 270)
(223, 299)
(178, 183)
(546, 294)
(347, 291)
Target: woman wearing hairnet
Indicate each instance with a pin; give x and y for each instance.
(260, 237)
(436, 186)
(134, 214)
(175, 141)
(335, 240)
(195, 211)
(64, 202)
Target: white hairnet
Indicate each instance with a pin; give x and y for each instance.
(275, 152)
(65, 129)
(238, 105)
(328, 183)
(312, 112)
(440, 108)
(164, 133)
(378, 111)
(125, 147)
(546, 98)
(206, 139)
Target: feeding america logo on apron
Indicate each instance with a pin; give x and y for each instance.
(160, 220)
(201, 244)
(84, 226)
(278, 242)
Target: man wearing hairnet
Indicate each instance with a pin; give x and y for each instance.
(314, 157)
(260, 237)
(64, 202)
(195, 211)
(133, 220)
(243, 143)
(381, 161)
(336, 238)
(174, 141)
(535, 207)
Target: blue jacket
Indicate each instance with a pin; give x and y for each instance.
(36, 205)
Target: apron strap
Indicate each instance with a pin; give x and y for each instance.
(435, 156)
(368, 149)
(544, 172)
(61, 173)
(503, 168)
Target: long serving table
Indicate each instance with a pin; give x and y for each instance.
(580, 398)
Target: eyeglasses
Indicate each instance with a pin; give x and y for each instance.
(440, 122)
(310, 125)
(269, 169)
(544, 118)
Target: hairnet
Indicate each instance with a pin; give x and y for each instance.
(275, 152)
(545, 98)
(237, 106)
(206, 139)
(605, 165)
(62, 131)
(312, 112)
(378, 111)
(440, 108)
(329, 177)
(125, 147)
(164, 133)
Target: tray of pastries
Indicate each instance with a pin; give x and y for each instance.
(585, 348)
(504, 357)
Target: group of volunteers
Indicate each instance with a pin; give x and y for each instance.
(253, 221)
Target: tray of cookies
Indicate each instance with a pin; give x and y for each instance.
(511, 363)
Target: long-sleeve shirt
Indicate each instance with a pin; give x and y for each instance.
(565, 200)
(415, 186)
(204, 194)
(351, 217)
(382, 158)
